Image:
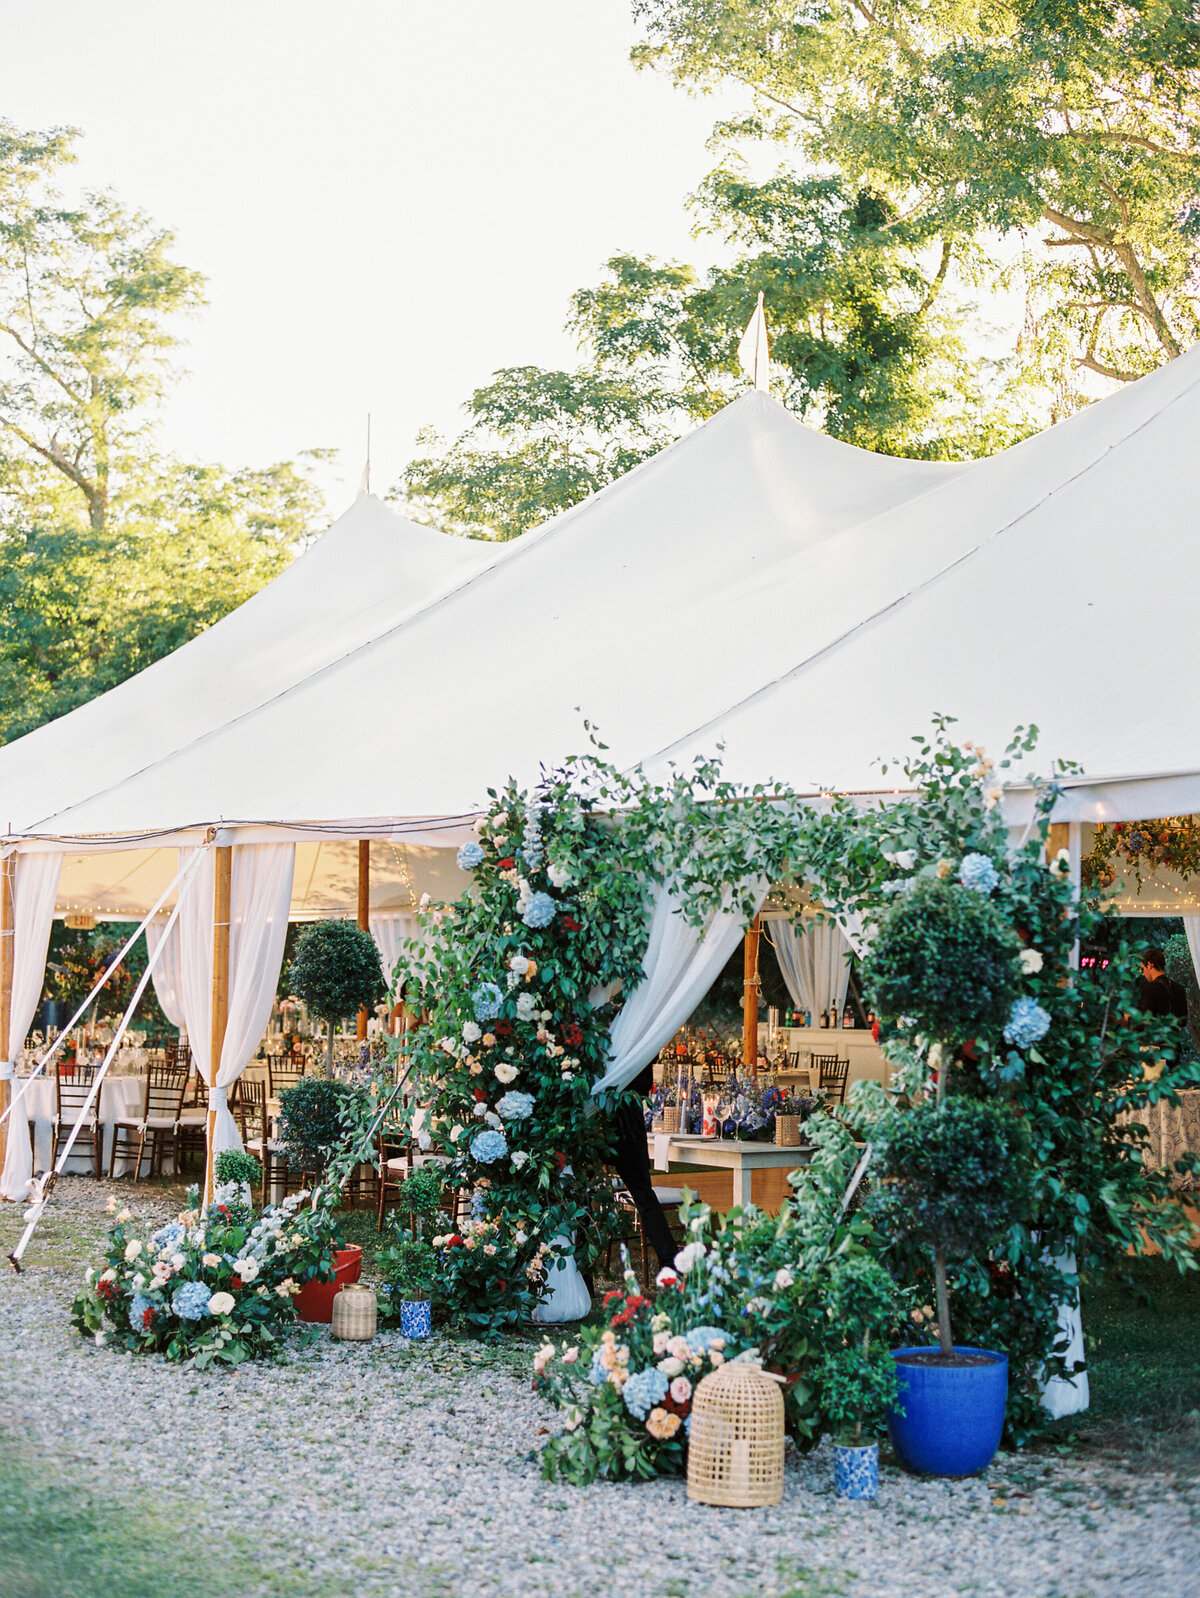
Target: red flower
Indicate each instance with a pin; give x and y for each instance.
(572, 1035)
(503, 1029)
(451, 1242)
(147, 1319)
(570, 923)
(560, 1160)
(235, 1284)
(507, 863)
(106, 1290)
(608, 1297)
(480, 1096)
(875, 1031)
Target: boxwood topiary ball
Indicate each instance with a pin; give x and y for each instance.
(944, 958)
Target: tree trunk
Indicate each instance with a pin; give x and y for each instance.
(943, 1302)
(329, 1049)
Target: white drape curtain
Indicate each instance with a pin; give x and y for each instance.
(260, 896)
(389, 932)
(813, 962)
(1191, 928)
(35, 887)
(167, 974)
(681, 963)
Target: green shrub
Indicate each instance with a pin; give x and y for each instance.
(420, 1194)
(944, 957)
(310, 1121)
(336, 972)
(235, 1165)
(409, 1269)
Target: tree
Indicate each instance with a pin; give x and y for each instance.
(1076, 117)
(336, 973)
(111, 553)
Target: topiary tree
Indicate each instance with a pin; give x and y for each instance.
(336, 972)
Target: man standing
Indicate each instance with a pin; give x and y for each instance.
(631, 1158)
(1158, 994)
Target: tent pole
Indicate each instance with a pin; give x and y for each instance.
(364, 912)
(750, 999)
(7, 938)
(222, 884)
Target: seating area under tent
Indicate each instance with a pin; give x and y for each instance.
(326, 749)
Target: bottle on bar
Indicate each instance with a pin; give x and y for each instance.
(833, 1015)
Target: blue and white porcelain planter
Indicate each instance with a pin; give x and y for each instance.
(856, 1470)
(416, 1318)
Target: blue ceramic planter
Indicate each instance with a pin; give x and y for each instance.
(416, 1319)
(856, 1470)
(953, 1414)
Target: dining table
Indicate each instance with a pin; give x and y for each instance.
(669, 1149)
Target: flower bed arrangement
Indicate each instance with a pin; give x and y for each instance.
(1170, 844)
(206, 1289)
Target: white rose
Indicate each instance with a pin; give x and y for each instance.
(132, 1250)
(559, 876)
(689, 1256)
(472, 1032)
(1031, 961)
(125, 1215)
(211, 1261)
(220, 1304)
(519, 1158)
(245, 1270)
(671, 1366)
(507, 1073)
(480, 1109)
(783, 1278)
(518, 965)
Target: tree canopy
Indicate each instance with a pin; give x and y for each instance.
(111, 552)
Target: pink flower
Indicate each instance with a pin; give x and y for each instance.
(570, 1356)
(681, 1389)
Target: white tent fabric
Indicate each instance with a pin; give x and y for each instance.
(389, 933)
(167, 975)
(1191, 928)
(370, 569)
(593, 610)
(34, 886)
(680, 964)
(260, 892)
(812, 962)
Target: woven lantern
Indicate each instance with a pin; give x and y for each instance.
(355, 1314)
(787, 1130)
(735, 1446)
(672, 1118)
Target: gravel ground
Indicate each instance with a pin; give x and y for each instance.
(387, 1468)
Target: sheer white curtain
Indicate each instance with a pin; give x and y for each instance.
(260, 896)
(389, 932)
(34, 889)
(813, 962)
(681, 963)
(166, 975)
(1191, 928)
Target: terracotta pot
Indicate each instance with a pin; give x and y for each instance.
(314, 1301)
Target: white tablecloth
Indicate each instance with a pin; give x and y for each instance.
(121, 1099)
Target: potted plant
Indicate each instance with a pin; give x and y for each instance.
(322, 1266)
(856, 1377)
(410, 1267)
(336, 973)
(419, 1197)
(952, 1174)
(235, 1168)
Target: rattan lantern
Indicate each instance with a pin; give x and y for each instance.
(672, 1118)
(735, 1446)
(355, 1314)
(787, 1131)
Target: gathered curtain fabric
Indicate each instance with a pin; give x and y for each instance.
(813, 963)
(681, 963)
(167, 975)
(1191, 928)
(389, 932)
(35, 888)
(259, 901)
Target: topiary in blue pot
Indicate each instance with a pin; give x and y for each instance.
(953, 1414)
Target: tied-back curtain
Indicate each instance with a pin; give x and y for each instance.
(813, 963)
(389, 932)
(681, 963)
(259, 900)
(34, 890)
(167, 975)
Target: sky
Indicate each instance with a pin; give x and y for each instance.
(390, 200)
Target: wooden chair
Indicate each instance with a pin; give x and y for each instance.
(283, 1071)
(159, 1123)
(834, 1073)
(250, 1110)
(72, 1084)
(193, 1121)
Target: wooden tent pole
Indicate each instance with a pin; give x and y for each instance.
(364, 912)
(8, 868)
(222, 884)
(750, 1000)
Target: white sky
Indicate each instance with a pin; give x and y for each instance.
(390, 199)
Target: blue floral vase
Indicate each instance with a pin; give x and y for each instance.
(856, 1471)
(416, 1320)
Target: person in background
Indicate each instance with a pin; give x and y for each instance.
(1157, 993)
(631, 1159)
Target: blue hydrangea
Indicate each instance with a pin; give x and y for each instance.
(168, 1236)
(515, 1106)
(701, 1338)
(1028, 1023)
(597, 1375)
(137, 1311)
(643, 1390)
(487, 1000)
(470, 856)
(488, 1146)
(977, 871)
(190, 1302)
(540, 911)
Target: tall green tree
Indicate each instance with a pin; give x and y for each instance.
(111, 553)
(1069, 126)
(866, 344)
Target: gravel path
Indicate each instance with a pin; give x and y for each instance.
(387, 1468)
